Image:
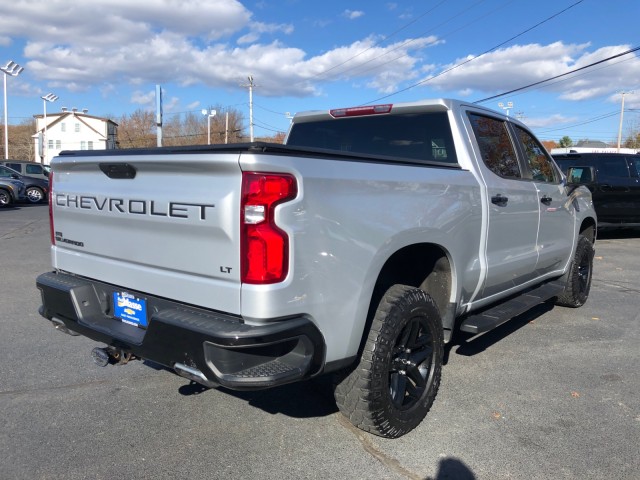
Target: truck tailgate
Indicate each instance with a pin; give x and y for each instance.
(167, 225)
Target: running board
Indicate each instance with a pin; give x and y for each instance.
(498, 314)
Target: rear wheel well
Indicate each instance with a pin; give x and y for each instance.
(588, 229)
(425, 266)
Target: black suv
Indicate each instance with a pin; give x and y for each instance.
(37, 188)
(614, 181)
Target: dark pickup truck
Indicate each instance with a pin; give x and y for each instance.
(614, 181)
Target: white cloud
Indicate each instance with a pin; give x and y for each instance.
(117, 21)
(141, 98)
(216, 43)
(521, 65)
(352, 14)
(259, 28)
(550, 121)
(153, 42)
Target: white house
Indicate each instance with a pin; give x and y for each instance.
(72, 130)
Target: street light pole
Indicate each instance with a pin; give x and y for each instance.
(250, 85)
(209, 114)
(506, 107)
(13, 69)
(49, 97)
(621, 116)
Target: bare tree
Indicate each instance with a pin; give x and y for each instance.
(21, 143)
(137, 130)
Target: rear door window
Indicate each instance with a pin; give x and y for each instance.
(540, 164)
(635, 166)
(496, 147)
(613, 166)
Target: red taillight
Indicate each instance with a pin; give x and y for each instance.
(53, 234)
(264, 246)
(359, 111)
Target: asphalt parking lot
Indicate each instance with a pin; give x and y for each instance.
(553, 394)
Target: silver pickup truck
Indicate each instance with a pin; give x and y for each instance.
(358, 248)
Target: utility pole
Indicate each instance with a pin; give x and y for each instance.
(250, 85)
(158, 115)
(621, 116)
(226, 128)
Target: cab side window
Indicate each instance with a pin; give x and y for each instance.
(614, 166)
(495, 145)
(36, 169)
(542, 169)
(635, 162)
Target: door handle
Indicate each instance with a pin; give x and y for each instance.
(546, 200)
(499, 200)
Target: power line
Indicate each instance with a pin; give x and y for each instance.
(558, 76)
(592, 120)
(384, 39)
(482, 54)
(378, 65)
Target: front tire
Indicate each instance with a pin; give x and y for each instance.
(396, 381)
(578, 279)
(5, 198)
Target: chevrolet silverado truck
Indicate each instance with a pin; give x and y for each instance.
(358, 248)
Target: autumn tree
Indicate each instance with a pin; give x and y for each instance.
(632, 139)
(277, 138)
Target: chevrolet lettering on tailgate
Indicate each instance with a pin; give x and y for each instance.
(136, 207)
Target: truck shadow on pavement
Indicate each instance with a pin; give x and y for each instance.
(468, 344)
(308, 399)
(314, 398)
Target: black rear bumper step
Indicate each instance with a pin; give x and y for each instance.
(219, 346)
(502, 312)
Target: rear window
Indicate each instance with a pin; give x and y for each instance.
(15, 166)
(420, 136)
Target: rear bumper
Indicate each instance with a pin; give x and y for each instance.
(209, 347)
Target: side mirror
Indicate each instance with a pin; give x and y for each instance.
(15, 176)
(581, 175)
(577, 176)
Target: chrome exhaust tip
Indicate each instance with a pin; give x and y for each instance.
(193, 374)
(61, 327)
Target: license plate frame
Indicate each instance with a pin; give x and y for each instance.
(130, 309)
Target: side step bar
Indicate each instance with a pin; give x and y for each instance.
(498, 314)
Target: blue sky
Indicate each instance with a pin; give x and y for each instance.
(108, 55)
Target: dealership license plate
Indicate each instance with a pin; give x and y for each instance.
(130, 309)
